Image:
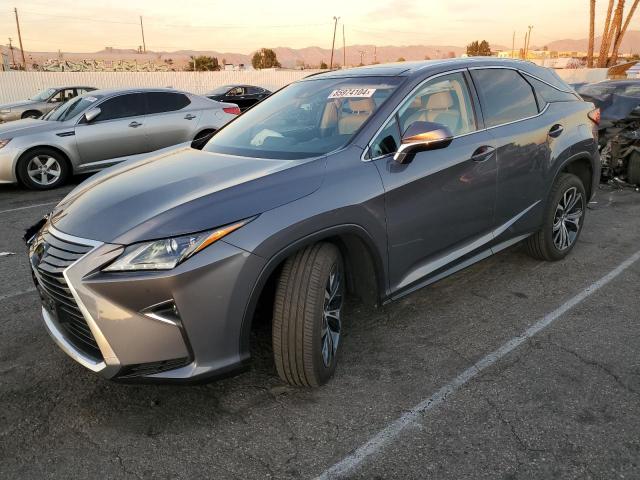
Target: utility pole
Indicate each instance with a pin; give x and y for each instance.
(144, 45)
(24, 62)
(513, 45)
(526, 51)
(344, 50)
(524, 47)
(333, 45)
(375, 54)
(13, 58)
(362, 52)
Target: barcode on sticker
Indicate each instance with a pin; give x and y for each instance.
(352, 92)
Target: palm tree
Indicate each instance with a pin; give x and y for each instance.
(604, 47)
(592, 33)
(623, 31)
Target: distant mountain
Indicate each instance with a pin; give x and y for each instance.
(313, 56)
(630, 43)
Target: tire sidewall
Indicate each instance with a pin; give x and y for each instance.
(565, 182)
(23, 176)
(321, 372)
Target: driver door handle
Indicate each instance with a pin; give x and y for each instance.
(483, 153)
(556, 131)
(188, 116)
(135, 124)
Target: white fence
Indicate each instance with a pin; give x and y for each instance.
(20, 85)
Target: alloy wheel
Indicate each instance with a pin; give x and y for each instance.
(566, 222)
(44, 170)
(331, 322)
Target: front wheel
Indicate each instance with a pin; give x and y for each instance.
(563, 220)
(307, 315)
(42, 169)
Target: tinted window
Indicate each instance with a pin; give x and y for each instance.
(122, 106)
(71, 108)
(444, 100)
(548, 94)
(254, 90)
(158, 102)
(387, 141)
(305, 119)
(506, 96)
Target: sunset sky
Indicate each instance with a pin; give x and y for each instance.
(86, 26)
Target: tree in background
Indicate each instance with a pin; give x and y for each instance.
(203, 63)
(265, 58)
(479, 49)
(323, 65)
(615, 27)
(401, 59)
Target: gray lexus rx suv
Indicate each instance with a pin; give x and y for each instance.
(370, 182)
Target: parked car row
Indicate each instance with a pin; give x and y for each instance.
(81, 129)
(369, 182)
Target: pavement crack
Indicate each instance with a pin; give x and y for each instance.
(600, 366)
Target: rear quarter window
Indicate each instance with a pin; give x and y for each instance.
(548, 94)
(505, 96)
(160, 102)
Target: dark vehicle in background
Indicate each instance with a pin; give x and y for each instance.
(370, 182)
(619, 130)
(102, 128)
(244, 96)
(42, 103)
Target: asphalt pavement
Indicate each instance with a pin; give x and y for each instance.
(510, 369)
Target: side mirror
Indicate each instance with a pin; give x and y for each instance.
(420, 137)
(92, 114)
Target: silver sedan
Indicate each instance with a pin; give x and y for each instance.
(102, 128)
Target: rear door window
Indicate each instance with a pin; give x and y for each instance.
(160, 102)
(122, 106)
(505, 96)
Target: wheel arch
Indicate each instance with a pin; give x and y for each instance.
(362, 263)
(33, 110)
(579, 165)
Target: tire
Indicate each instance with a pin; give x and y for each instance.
(55, 174)
(305, 338)
(31, 114)
(633, 169)
(551, 243)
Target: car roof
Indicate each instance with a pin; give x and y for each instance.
(408, 69)
(115, 91)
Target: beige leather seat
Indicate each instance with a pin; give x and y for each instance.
(361, 110)
(329, 121)
(439, 109)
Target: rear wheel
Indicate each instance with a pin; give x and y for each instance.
(563, 220)
(633, 170)
(42, 169)
(307, 313)
(31, 114)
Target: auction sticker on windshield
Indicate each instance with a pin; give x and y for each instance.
(352, 93)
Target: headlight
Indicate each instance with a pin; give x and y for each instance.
(167, 253)
(5, 110)
(4, 142)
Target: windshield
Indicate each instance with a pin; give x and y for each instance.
(305, 119)
(220, 90)
(44, 95)
(70, 109)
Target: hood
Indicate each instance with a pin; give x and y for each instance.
(21, 103)
(181, 191)
(27, 126)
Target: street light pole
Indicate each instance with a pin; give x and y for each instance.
(333, 45)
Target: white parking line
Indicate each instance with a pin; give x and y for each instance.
(385, 436)
(29, 206)
(15, 294)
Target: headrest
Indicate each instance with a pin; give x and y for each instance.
(361, 105)
(440, 101)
